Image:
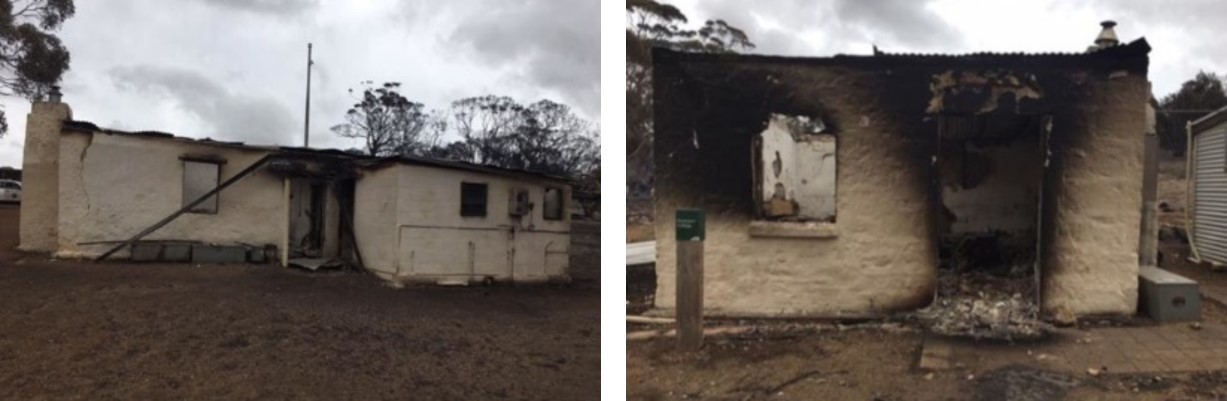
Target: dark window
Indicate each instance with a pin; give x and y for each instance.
(198, 179)
(553, 204)
(472, 199)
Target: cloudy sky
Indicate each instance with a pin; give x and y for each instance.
(1186, 37)
(235, 69)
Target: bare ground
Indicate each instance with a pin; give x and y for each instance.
(868, 363)
(880, 362)
(79, 330)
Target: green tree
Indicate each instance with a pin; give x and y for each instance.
(655, 24)
(32, 58)
(1196, 98)
(389, 123)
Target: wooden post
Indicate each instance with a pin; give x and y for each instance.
(690, 234)
(285, 224)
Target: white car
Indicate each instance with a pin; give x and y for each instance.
(10, 191)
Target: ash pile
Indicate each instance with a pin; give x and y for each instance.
(985, 303)
(982, 305)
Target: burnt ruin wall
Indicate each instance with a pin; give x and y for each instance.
(884, 256)
(882, 259)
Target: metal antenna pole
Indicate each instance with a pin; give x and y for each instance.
(306, 129)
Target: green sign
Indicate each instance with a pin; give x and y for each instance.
(690, 225)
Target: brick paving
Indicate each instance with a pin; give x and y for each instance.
(1166, 348)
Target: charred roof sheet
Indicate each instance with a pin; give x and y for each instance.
(1131, 56)
(460, 165)
(364, 160)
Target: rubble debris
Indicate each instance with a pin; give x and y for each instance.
(314, 264)
(998, 252)
(1022, 383)
(1062, 317)
(983, 306)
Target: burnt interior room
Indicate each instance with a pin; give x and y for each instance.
(991, 173)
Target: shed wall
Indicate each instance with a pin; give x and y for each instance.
(415, 213)
(1209, 177)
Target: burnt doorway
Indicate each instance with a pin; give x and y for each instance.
(991, 173)
(307, 212)
(345, 235)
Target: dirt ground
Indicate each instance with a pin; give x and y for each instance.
(73, 330)
(872, 361)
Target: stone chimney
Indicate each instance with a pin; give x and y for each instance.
(1107, 36)
(40, 164)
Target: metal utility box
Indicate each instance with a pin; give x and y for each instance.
(1168, 297)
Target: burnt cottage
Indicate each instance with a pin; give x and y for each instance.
(841, 186)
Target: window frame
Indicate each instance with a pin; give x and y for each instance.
(768, 227)
(202, 208)
(465, 205)
(562, 204)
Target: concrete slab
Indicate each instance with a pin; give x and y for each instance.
(1168, 297)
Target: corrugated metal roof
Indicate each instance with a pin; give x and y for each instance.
(1137, 49)
(1208, 121)
(1137, 46)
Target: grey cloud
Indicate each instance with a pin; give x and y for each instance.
(907, 22)
(233, 115)
(272, 7)
(559, 42)
(889, 23)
